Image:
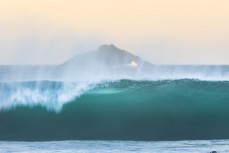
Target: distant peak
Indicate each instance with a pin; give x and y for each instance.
(107, 47)
(108, 55)
(112, 45)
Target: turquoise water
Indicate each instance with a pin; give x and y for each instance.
(120, 110)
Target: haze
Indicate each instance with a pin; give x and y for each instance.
(161, 32)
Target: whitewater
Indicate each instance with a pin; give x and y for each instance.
(116, 146)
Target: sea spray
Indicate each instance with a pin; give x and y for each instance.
(50, 94)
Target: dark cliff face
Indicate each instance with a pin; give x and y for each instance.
(106, 56)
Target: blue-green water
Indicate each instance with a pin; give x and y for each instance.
(119, 110)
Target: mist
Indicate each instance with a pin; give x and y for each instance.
(47, 44)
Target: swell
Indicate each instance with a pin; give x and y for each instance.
(128, 110)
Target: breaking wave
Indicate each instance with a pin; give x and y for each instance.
(120, 110)
(163, 103)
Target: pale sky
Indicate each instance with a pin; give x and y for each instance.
(159, 31)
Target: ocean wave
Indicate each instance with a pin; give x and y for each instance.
(53, 95)
(120, 110)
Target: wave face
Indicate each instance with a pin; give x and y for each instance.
(114, 110)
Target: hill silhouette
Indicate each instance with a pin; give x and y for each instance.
(107, 56)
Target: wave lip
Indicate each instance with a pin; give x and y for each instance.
(50, 94)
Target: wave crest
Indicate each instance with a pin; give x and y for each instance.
(49, 94)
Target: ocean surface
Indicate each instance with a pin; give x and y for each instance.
(152, 111)
(207, 146)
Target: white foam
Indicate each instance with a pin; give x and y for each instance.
(52, 98)
(192, 146)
